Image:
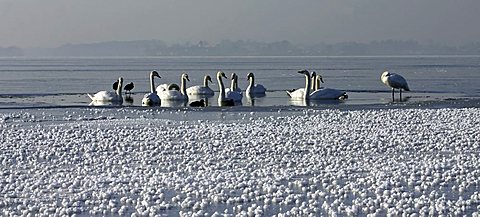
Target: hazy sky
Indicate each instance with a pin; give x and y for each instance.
(56, 22)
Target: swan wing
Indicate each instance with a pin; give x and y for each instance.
(171, 95)
(199, 90)
(151, 99)
(296, 94)
(162, 87)
(104, 96)
(326, 93)
(236, 96)
(397, 81)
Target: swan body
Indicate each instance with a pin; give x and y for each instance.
(394, 81)
(108, 96)
(176, 95)
(254, 89)
(204, 90)
(223, 100)
(164, 87)
(151, 99)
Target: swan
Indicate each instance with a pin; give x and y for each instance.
(320, 94)
(234, 92)
(299, 92)
(222, 99)
(204, 90)
(176, 95)
(395, 81)
(254, 89)
(151, 99)
(108, 96)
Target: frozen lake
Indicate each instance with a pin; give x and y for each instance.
(26, 82)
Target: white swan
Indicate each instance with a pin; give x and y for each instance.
(204, 90)
(176, 95)
(254, 89)
(320, 94)
(151, 99)
(234, 92)
(395, 81)
(108, 96)
(300, 92)
(222, 99)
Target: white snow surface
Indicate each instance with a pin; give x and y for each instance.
(98, 162)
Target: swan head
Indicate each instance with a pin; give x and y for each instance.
(250, 75)
(155, 74)
(320, 78)
(234, 76)
(185, 77)
(305, 72)
(221, 74)
(314, 74)
(120, 81)
(208, 78)
(386, 74)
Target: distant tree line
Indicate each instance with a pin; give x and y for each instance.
(245, 48)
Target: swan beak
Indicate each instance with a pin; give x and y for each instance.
(223, 75)
(303, 71)
(187, 78)
(321, 79)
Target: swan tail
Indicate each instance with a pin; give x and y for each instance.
(289, 92)
(91, 97)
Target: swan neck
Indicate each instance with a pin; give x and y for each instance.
(119, 88)
(317, 83)
(307, 87)
(221, 88)
(313, 83)
(232, 85)
(152, 84)
(205, 81)
(250, 83)
(183, 87)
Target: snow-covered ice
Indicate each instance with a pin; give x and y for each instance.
(299, 163)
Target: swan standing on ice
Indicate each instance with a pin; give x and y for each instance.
(254, 89)
(108, 96)
(222, 99)
(234, 92)
(151, 99)
(395, 81)
(176, 95)
(204, 90)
